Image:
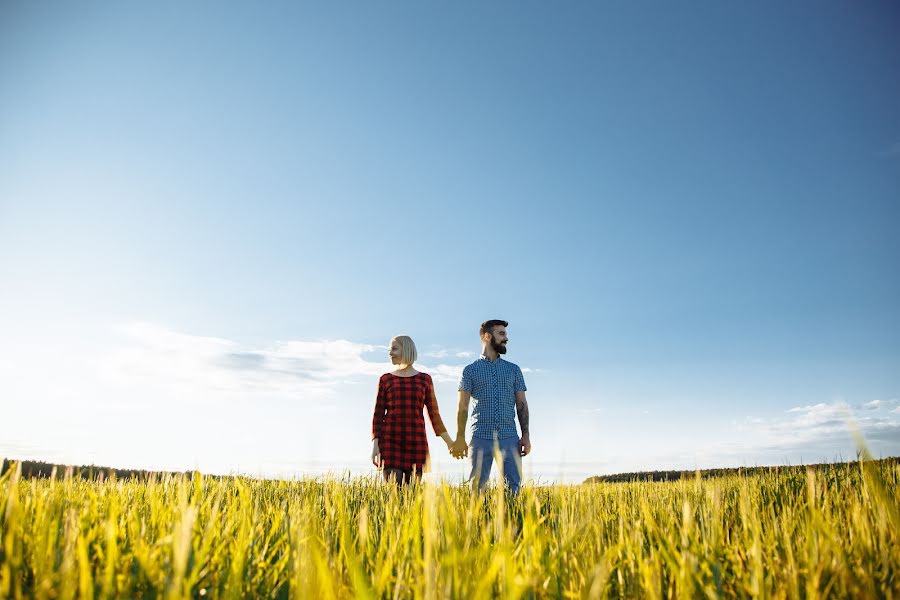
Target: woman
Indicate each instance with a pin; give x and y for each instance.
(398, 428)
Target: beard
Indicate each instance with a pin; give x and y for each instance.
(498, 348)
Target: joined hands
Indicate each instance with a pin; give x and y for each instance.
(458, 448)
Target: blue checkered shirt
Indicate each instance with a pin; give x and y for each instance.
(493, 386)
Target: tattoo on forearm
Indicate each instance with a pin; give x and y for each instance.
(522, 409)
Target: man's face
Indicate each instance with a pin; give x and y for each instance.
(499, 339)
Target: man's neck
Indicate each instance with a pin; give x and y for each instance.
(489, 353)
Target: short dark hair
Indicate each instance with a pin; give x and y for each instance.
(488, 326)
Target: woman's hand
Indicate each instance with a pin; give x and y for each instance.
(376, 454)
(456, 451)
(459, 449)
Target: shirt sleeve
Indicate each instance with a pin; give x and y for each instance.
(431, 406)
(465, 380)
(380, 410)
(520, 381)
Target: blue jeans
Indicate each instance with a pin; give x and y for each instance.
(481, 455)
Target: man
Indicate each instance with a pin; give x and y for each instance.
(496, 388)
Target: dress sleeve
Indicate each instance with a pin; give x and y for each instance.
(380, 410)
(431, 406)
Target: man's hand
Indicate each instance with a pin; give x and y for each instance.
(376, 454)
(524, 445)
(459, 449)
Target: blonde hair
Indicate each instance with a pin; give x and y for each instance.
(408, 354)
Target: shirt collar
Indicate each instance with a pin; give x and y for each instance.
(485, 357)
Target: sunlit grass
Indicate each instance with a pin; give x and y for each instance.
(792, 534)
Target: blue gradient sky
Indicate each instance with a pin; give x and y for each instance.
(688, 213)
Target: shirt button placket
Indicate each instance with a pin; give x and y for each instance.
(495, 393)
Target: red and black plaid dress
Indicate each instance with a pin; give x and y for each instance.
(398, 424)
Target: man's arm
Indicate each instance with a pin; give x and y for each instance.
(460, 447)
(522, 411)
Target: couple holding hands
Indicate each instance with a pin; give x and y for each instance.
(493, 386)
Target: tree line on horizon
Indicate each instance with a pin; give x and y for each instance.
(675, 475)
(32, 469)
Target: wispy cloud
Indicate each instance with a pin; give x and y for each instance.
(825, 428)
(443, 373)
(312, 368)
(879, 404)
(445, 353)
(802, 434)
(159, 356)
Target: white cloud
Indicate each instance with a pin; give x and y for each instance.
(878, 404)
(443, 373)
(159, 357)
(315, 369)
(444, 353)
(825, 429)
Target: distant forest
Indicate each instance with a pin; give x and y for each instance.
(711, 473)
(41, 470)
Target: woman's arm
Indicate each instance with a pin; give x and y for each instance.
(434, 414)
(376, 453)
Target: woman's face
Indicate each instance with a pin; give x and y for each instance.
(394, 352)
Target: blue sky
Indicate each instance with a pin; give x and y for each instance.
(213, 218)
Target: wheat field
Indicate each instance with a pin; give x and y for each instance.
(789, 533)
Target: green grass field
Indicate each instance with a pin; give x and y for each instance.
(832, 532)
